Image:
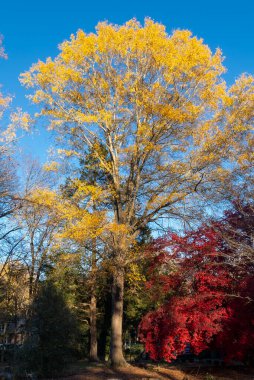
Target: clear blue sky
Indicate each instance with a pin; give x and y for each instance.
(33, 29)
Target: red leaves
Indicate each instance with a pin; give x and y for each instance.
(168, 330)
(209, 301)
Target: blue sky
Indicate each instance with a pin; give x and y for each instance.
(32, 30)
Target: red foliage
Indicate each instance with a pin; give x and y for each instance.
(206, 300)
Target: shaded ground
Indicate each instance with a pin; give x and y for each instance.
(102, 372)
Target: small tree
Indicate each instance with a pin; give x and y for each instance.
(51, 332)
(202, 287)
(37, 227)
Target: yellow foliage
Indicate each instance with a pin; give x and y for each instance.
(154, 110)
(18, 119)
(76, 223)
(134, 276)
(51, 166)
(180, 58)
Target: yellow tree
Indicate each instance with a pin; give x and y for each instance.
(58, 222)
(159, 118)
(48, 219)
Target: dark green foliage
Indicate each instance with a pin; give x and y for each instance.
(51, 333)
(103, 321)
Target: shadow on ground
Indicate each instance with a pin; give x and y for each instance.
(102, 372)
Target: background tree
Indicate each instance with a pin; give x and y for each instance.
(14, 291)
(9, 229)
(93, 250)
(9, 202)
(156, 112)
(7, 181)
(37, 226)
(237, 230)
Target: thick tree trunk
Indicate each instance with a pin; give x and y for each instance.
(93, 329)
(116, 349)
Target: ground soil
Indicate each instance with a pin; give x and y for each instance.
(102, 372)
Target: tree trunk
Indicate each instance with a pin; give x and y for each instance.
(93, 329)
(93, 307)
(116, 349)
(105, 327)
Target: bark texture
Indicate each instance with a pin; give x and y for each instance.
(93, 329)
(116, 349)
